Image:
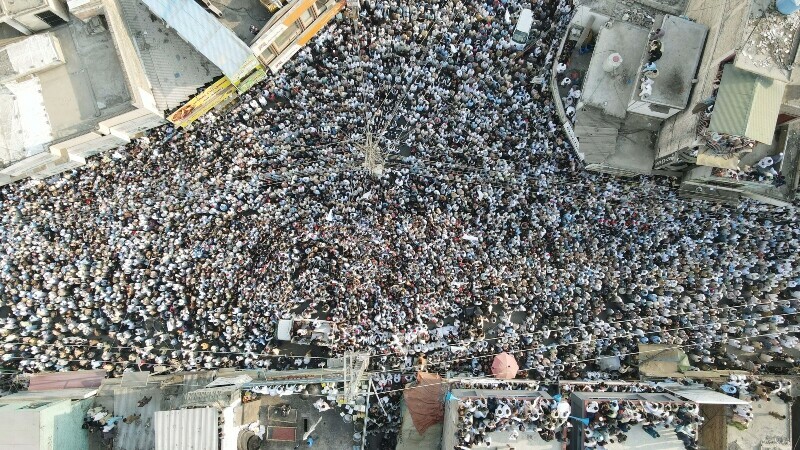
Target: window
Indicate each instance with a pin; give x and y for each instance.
(50, 18)
(306, 18)
(321, 6)
(286, 37)
(268, 55)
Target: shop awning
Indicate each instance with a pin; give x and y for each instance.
(706, 396)
(747, 105)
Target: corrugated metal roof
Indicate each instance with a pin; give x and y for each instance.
(66, 380)
(747, 105)
(187, 429)
(204, 32)
(137, 435)
(176, 70)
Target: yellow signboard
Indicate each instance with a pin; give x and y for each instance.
(223, 91)
(204, 102)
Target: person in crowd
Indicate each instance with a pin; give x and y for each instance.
(481, 234)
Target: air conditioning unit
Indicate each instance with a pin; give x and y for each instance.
(85, 9)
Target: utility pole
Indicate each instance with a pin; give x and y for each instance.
(373, 157)
(355, 364)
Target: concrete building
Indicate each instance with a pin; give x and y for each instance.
(748, 92)
(97, 82)
(59, 86)
(453, 415)
(721, 114)
(25, 17)
(616, 119)
(637, 437)
(291, 28)
(219, 409)
(122, 67)
(112, 73)
(28, 423)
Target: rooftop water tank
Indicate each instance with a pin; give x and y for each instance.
(788, 6)
(613, 61)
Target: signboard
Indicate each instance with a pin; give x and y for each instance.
(250, 65)
(219, 92)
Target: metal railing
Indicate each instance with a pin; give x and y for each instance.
(565, 122)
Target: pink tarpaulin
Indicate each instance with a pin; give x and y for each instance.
(505, 366)
(66, 380)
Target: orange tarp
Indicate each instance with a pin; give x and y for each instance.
(425, 400)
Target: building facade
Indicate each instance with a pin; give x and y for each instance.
(739, 138)
(29, 16)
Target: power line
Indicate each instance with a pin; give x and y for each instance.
(582, 326)
(552, 346)
(485, 377)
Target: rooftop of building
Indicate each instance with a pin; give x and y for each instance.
(528, 440)
(638, 438)
(122, 396)
(658, 438)
(769, 43)
(30, 55)
(627, 145)
(682, 47)
(766, 427)
(610, 91)
(201, 29)
(786, 146)
(242, 398)
(62, 101)
(239, 15)
(285, 431)
(12, 7)
(175, 69)
(747, 104)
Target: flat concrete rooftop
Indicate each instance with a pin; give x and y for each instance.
(529, 440)
(769, 43)
(17, 6)
(682, 48)
(625, 144)
(89, 87)
(611, 91)
(58, 103)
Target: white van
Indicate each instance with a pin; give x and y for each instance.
(523, 29)
(305, 331)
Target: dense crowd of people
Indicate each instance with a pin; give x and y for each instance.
(481, 235)
(481, 417)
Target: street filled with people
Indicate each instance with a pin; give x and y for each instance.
(478, 233)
